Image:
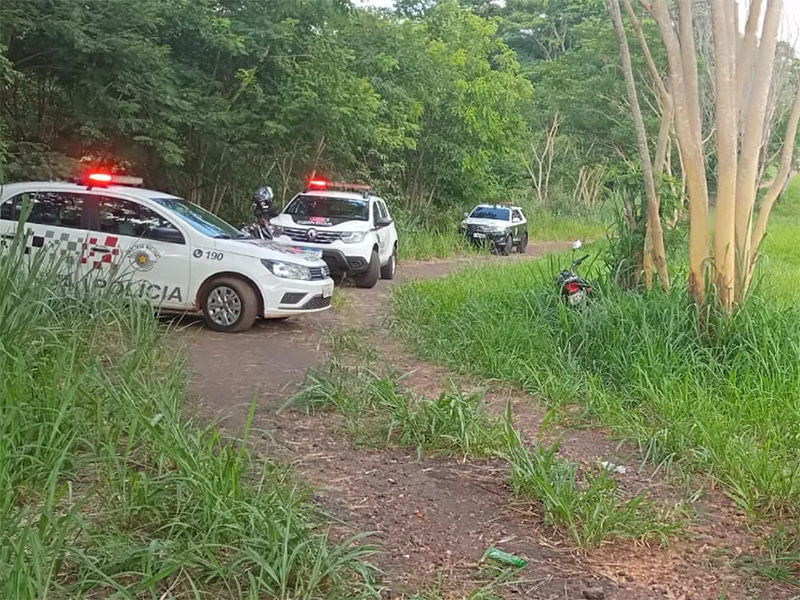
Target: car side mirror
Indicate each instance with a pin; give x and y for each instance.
(166, 234)
(383, 222)
(273, 212)
(466, 215)
(576, 244)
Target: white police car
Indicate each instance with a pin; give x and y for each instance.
(166, 250)
(348, 225)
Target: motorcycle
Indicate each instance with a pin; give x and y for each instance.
(574, 289)
(259, 230)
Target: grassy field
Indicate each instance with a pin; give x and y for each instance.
(108, 490)
(780, 261)
(701, 392)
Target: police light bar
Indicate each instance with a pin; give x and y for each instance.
(324, 184)
(97, 179)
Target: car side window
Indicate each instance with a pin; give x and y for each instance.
(516, 215)
(124, 217)
(58, 209)
(384, 210)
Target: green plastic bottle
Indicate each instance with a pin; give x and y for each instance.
(505, 557)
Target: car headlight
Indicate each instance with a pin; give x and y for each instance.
(353, 237)
(286, 270)
(276, 230)
(497, 229)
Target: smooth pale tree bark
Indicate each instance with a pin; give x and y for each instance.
(752, 140)
(746, 51)
(727, 120)
(653, 217)
(689, 137)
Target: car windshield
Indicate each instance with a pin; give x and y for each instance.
(329, 208)
(199, 218)
(490, 212)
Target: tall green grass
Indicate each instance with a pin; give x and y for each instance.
(108, 490)
(712, 393)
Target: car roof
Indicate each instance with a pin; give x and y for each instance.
(494, 206)
(11, 189)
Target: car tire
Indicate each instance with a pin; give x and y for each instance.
(523, 244)
(230, 305)
(390, 268)
(369, 278)
(509, 245)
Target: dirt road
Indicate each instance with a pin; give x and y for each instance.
(434, 517)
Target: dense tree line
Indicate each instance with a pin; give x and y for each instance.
(436, 102)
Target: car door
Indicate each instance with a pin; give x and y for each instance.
(148, 254)
(517, 224)
(383, 230)
(57, 225)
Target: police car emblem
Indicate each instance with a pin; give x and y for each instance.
(143, 257)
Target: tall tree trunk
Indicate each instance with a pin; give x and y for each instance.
(653, 217)
(689, 143)
(747, 172)
(727, 150)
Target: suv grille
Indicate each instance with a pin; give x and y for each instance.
(317, 302)
(322, 237)
(479, 229)
(318, 273)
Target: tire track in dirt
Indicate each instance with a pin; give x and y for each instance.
(437, 516)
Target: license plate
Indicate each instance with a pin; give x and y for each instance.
(479, 236)
(312, 251)
(327, 292)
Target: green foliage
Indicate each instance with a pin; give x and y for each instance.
(107, 489)
(703, 391)
(210, 99)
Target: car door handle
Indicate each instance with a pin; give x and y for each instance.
(101, 249)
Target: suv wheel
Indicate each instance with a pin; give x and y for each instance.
(230, 305)
(369, 278)
(509, 245)
(523, 244)
(390, 268)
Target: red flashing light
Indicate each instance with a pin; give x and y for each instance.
(100, 177)
(324, 184)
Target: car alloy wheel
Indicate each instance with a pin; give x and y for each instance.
(224, 306)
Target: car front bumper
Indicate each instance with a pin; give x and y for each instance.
(288, 297)
(496, 238)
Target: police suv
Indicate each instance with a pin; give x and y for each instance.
(347, 225)
(164, 249)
